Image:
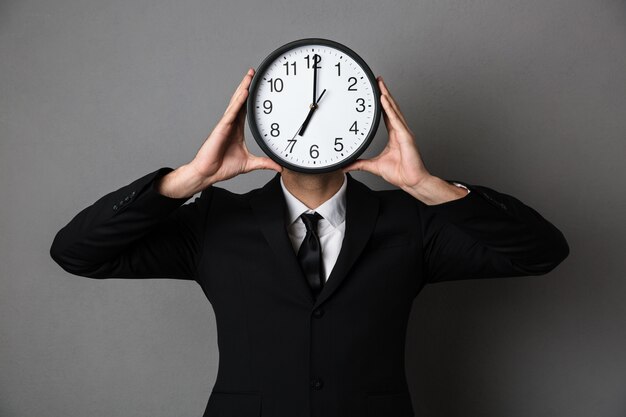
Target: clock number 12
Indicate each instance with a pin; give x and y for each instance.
(316, 61)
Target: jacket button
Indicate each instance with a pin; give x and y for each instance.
(132, 194)
(317, 384)
(115, 207)
(126, 199)
(318, 312)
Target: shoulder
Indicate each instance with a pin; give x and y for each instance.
(219, 194)
(392, 202)
(388, 195)
(397, 203)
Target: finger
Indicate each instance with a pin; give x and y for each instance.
(386, 118)
(230, 115)
(245, 83)
(262, 162)
(393, 121)
(367, 165)
(393, 103)
(384, 90)
(241, 116)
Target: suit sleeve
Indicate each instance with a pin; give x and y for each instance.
(487, 234)
(134, 232)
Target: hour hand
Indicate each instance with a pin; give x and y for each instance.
(313, 107)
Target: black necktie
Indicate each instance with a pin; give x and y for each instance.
(310, 253)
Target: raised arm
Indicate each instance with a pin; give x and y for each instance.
(144, 229)
(487, 234)
(480, 234)
(134, 232)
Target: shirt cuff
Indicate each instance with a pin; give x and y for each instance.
(462, 186)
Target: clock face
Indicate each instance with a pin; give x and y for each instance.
(313, 106)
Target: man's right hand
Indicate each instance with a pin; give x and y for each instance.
(223, 154)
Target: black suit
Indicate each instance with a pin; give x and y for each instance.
(281, 353)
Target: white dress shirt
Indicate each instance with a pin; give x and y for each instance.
(330, 229)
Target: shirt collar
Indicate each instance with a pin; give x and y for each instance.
(333, 209)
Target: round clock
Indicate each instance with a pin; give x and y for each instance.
(313, 105)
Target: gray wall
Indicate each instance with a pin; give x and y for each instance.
(527, 97)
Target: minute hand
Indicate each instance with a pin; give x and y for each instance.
(314, 79)
(308, 116)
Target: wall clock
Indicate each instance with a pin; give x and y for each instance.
(313, 105)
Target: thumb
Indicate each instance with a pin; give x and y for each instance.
(262, 162)
(361, 165)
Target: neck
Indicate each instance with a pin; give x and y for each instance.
(312, 189)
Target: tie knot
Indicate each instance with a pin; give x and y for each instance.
(310, 221)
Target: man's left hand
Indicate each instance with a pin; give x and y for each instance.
(400, 162)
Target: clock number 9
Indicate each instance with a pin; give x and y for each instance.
(267, 105)
(314, 152)
(275, 86)
(361, 103)
(275, 132)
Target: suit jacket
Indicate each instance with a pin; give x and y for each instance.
(282, 353)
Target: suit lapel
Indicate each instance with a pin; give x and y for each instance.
(361, 214)
(269, 207)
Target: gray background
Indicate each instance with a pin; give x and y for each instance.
(526, 97)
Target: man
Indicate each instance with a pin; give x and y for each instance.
(311, 312)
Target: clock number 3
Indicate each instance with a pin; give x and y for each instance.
(361, 103)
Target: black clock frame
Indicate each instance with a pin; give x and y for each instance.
(255, 83)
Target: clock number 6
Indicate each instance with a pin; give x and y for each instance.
(314, 152)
